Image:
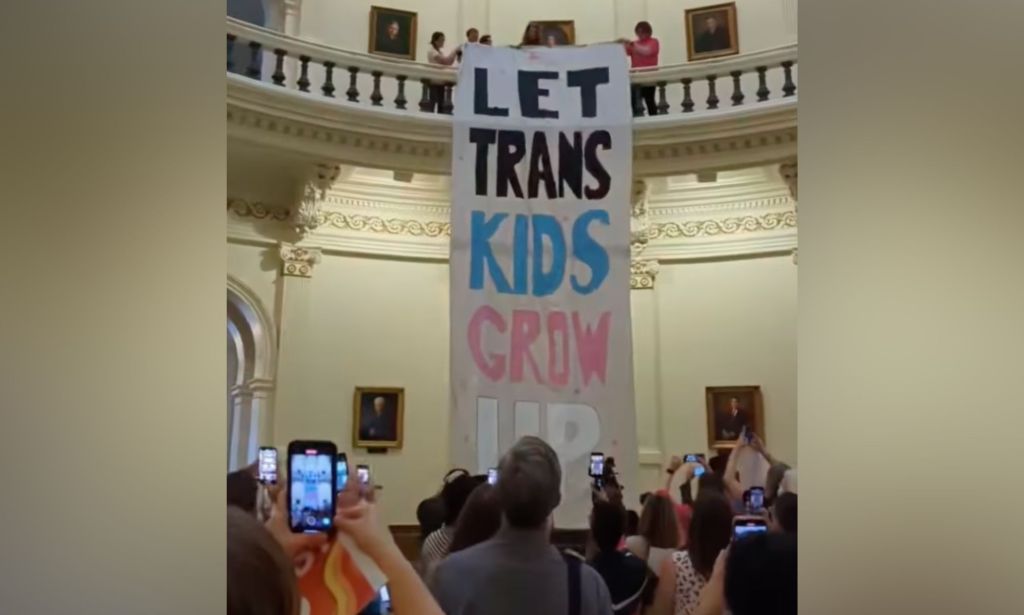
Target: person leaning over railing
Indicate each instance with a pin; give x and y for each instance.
(643, 53)
(437, 56)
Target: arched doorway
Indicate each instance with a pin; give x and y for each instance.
(250, 373)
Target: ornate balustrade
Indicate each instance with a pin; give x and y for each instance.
(353, 78)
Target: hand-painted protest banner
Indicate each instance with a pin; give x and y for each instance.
(540, 321)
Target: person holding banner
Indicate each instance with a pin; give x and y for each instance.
(436, 55)
(643, 52)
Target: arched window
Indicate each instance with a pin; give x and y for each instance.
(250, 372)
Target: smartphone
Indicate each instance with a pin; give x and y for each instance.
(311, 483)
(341, 471)
(746, 526)
(363, 472)
(755, 499)
(267, 461)
(596, 465)
(748, 436)
(697, 458)
(385, 599)
(492, 476)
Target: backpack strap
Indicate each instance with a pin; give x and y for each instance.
(573, 564)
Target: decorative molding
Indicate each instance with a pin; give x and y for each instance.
(298, 261)
(724, 226)
(642, 273)
(260, 211)
(295, 123)
(390, 226)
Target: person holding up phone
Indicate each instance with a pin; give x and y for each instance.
(252, 589)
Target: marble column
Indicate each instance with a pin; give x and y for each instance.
(295, 335)
(643, 306)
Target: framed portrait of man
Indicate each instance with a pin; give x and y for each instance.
(557, 33)
(393, 33)
(711, 32)
(730, 411)
(378, 415)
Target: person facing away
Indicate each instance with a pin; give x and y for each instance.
(623, 573)
(454, 495)
(684, 575)
(479, 520)
(518, 571)
(658, 532)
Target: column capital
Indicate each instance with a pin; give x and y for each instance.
(298, 261)
(642, 273)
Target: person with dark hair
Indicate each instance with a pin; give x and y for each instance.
(757, 575)
(260, 577)
(658, 532)
(454, 495)
(685, 574)
(437, 56)
(519, 571)
(632, 522)
(243, 490)
(479, 521)
(623, 573)
(643, 53)
(782, 514)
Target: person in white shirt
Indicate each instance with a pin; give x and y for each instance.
(436, 55)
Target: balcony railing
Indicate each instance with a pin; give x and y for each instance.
(699, 88)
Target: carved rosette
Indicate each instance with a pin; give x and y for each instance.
(642, 273)
(298, 262)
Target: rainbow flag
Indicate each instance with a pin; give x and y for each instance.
(339, 579)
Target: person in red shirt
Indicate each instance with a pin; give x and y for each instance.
(644, 54)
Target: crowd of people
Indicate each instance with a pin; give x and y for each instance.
(643, 52)
(486, 546)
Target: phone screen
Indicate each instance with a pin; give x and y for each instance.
(341, 471)
(385, 599)
(596, 464)
(268, 465)
(748, 526)
(756, 498)
(311, 485)
(363, 472)
(698, 459)
(492, 476)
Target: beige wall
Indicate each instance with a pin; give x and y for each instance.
(762, 23)
(381, 322)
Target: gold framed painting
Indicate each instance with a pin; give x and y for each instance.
(392, 33)
(711, 32)
(730, 410)
(557, 33)
(378, 415)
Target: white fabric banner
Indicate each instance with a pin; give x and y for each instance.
(542, 155)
